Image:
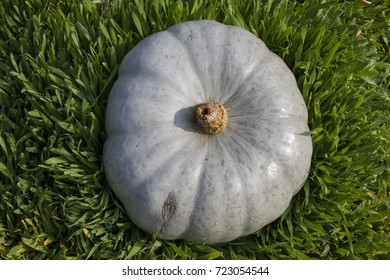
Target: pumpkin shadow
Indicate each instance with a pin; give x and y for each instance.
(186, 120)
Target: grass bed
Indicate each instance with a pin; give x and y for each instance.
(58, 61)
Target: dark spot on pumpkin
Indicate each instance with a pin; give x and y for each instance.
(168, 209)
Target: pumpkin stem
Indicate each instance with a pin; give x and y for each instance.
(211, 117)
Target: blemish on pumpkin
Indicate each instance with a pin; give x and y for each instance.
(168, 209)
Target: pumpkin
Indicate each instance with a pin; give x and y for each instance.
(207, 135)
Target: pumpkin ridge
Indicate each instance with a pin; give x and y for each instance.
(168, 209)
(190, 226)
(235, 92)
(228, 94)
(264, 153)
(159, 145)
(245, 199)
(188, 92)
(219, 78)
(194, 66)
(184, 85)
(241, 92)
(200, 215)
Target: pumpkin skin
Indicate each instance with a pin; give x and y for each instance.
(180, 183)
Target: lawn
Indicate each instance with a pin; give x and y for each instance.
(58, 61)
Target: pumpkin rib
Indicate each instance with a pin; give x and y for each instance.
(200, 155)
(148, 185)
(250, 70)
(256, 149)
(185, 37)
(172, 53)
(228, 58)
(196, 226)
(245, 65)
(268, 102)
(134, 145)
(237, 93)
(180, 222)
(193, 215)
(245, 186)
(200, 59)
(258, 146)
(191, 60)
(241, 210)
(140, 108)
(206, 201)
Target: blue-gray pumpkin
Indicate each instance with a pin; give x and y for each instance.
(207, 135)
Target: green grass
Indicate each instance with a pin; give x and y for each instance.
(58, 61)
